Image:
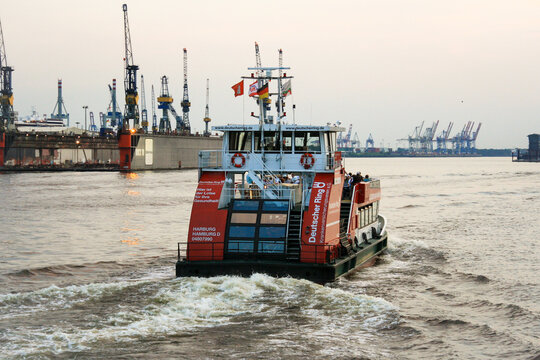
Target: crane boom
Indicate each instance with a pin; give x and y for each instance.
(144, 112)
(131, 111)
(184, 125)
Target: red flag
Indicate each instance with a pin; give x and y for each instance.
(238, 88)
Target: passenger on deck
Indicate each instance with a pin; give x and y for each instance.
(367, 178)
(347, 185)
(357, 178)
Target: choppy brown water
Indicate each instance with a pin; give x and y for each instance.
(87, 270)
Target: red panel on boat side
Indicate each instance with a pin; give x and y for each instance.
(124, 144)
(207, 224)
(314, 237)
(2, 148)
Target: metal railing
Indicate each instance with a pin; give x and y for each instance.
(252, 191)
(311, 253)
(212, 159)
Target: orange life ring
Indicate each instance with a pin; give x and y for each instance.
(307, 160)
(236, 163)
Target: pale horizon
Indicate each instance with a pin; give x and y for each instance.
(384, 67)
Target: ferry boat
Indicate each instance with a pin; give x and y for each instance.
(274, 200)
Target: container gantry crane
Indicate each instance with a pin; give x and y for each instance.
(131, 111)
(183, 125)
(144, 112)
(443, 138)
(207, 109)
(370, 143)
(7, 116)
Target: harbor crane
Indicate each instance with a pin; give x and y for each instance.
(356, 142)
(414, 139)
(165, 101)
(442, 139)
(183, 124)
(93, 126)
(144, 112)
(472, 141)
(154, 117)
(370, 144)
(426, 141)
(59, 111)
(113, 111)
(207, 109)
(7, 115)
(131, 111)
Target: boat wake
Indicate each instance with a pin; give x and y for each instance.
(173, 307)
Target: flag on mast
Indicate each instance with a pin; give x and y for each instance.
(253, 88)
(263, 91)
(238, 88)
(286, 89)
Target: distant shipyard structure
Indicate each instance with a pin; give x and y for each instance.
(423, 141)
(530, 155)
(117, 141)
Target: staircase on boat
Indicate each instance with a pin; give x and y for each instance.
(344, 225)
(293, 239)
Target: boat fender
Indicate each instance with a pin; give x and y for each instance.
(238, 163)
(307, 160)
(364, 237)
(374, 232)
(356, 242)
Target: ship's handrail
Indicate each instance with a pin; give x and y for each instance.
(254, 192)
(211, 159)
(215, 250)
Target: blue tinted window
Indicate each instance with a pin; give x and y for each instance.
(242, 231)
(275, 205)
(275, 247)
(246, 205)
(240, 246)
(271, 232)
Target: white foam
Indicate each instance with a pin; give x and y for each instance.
(186, 304)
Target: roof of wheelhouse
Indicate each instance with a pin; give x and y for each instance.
(276, 127)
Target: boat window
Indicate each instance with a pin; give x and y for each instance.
(330, 141)
(376, 208)
(271, 247)
(243, 218)
(242, 231)
(237, 246)
(246, 205)
(275, 205)
(257, 141)
(275, 232)
(307, 141)
(274, 219)
(286, 140)
(361, 215)
(239, 141)
(271, 141)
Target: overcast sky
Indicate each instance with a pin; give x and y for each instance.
(384, 66)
